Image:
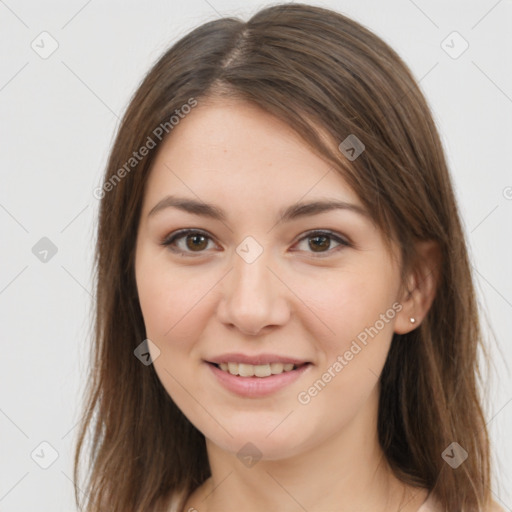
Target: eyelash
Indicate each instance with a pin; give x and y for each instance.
(169, 240)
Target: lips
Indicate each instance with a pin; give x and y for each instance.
(255, 386)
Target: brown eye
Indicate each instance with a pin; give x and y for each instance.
(195, 241)
(320, 242)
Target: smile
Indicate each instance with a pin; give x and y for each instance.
(256, 381)
(259, 370)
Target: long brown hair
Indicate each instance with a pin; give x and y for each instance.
(327, 77)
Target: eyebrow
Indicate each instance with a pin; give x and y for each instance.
(287, 214)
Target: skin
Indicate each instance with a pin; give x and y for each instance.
(298, 298)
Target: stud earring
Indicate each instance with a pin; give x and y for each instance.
(412, 320)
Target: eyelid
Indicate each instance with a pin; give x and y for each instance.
(342, 241)
(182, 233)
(338, 238)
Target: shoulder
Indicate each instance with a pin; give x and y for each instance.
(178, 502)
(495, 507)
(432, 505)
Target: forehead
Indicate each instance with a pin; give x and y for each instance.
(237, 147)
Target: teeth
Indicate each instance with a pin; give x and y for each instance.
(259, 370)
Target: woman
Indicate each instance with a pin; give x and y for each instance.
(285, 316)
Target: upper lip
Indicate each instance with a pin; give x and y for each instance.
(255, 360)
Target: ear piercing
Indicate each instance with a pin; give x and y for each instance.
(412, 320)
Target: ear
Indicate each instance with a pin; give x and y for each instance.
(422, 285)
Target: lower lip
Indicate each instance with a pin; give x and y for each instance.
(257, 386)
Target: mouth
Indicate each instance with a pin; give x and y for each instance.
(256, 381)
(259, 370)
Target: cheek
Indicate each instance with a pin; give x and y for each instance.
(352, 348)
(345, 301)
(167, 298)
(353, 319)
(174, 317)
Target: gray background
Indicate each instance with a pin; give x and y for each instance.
(58, 117)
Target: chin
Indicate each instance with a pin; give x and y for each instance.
(257, 439)
(251, 448)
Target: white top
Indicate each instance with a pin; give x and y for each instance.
(174, 503)
(429, 505)
(432, 505)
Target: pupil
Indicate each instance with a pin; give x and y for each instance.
(194, 245)
(324, 242)
(324, 245)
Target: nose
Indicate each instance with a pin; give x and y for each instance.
(254, 300)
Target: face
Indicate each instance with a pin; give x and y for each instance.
(316, 285)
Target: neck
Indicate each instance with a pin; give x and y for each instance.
(346, 472)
